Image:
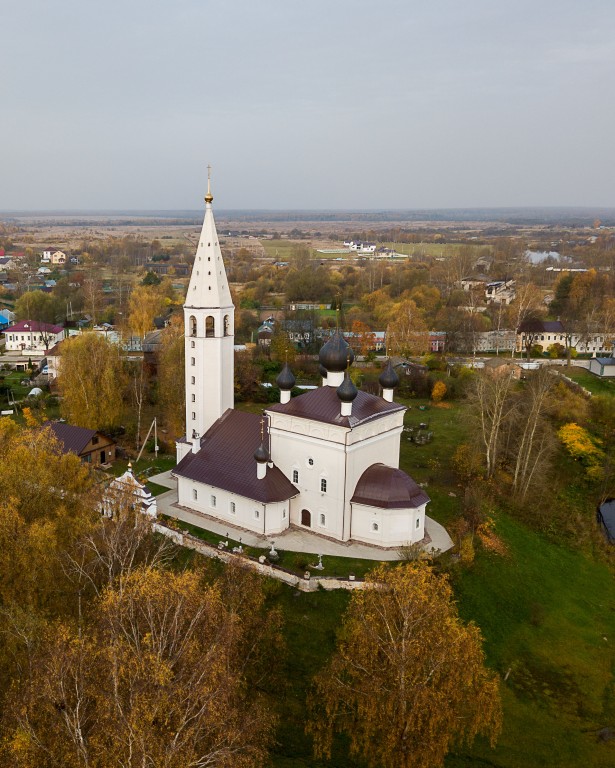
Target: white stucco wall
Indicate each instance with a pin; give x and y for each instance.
(34, 341)
(339, 455)
(396, 527)
(266, 519)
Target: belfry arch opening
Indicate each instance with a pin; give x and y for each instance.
(192, 325)
(227, 325)
(210, 327)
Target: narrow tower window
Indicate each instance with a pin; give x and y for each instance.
(209, 327)
(227, 325)
(192, 323)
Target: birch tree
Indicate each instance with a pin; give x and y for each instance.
(90, 382)
(493, 407)
(407, 681)
(152, 678)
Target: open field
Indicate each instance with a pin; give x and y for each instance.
(596, 385)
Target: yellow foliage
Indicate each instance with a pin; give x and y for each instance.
(407, 681)
(438, 392)
(583, 447)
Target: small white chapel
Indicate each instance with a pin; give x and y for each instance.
(326, 460)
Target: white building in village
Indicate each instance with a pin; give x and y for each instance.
(327, 460)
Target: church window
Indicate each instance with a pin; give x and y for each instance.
(192, 361)
(375, 526)
(208, 244)
(209, 258)
(418, 522)
(194, 398)
(192, 344)
(209, 273)
(311, 462)
(209, 325)
(227, 325)
(232, 507)
(295, 475)
(322, 519)
(192, 380)
(323, 485)
(284, 514)
(193, 416)
(257, 514)
(213, 501)
(195, 494)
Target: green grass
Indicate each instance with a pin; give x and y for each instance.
(431, 463)
(280, 250)
(548, 618)
(427, 249)
(296, 562)
(596, 385)
(146, 466)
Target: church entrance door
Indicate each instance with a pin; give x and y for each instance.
(306, 518)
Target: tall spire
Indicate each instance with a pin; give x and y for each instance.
(208, 283)
(209, 198)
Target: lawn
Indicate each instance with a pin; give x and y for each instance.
(280, 250)
(548, 618)
(596, 385)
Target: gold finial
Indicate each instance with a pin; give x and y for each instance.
(209, 197)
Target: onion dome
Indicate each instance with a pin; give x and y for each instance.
(261, 454)
(388, 378)
(347, 390)
(285, 380)
(336, 355)
(323, 371)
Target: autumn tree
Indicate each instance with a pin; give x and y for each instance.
(90, 381)
(171, 392)
(36, 305)
(531, 435)
(363, 338)
(153, 677)
(407, 682)
(490, 396)
(146, 302)
(407, 333)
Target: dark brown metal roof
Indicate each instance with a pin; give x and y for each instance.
(72, 439)
(323, 404)
(388, 488)
(226, 460)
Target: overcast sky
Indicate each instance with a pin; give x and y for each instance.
(306, 103)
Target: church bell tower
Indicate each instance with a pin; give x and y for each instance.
(209, 328)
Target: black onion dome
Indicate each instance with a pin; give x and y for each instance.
(261, 454)
(347, 390)
(323, 371)
(388, 378)
(285, 380)
(336, 355)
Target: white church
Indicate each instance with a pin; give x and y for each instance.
(326, 460)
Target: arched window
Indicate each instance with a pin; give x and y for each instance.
(227, 325)
(192, 325)
(209, 326)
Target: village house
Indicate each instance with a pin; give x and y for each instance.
(53, 256)
(32, 337)
(91, 446)
(545, 333)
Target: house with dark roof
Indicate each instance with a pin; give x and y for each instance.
(32, 337)
(91, 446)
